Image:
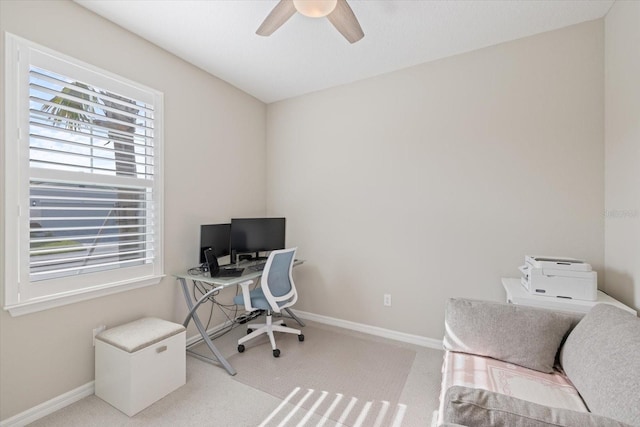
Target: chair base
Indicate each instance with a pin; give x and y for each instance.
(268, 328)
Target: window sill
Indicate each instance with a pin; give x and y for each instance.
(53, 301)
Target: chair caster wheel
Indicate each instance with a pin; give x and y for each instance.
(276, 353)
(300, 337)
(241, 348)
(249, 331)
(284, 324)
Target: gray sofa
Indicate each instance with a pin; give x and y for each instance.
(511, 365)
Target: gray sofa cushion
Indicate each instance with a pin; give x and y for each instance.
(521, 335)
(601, 357)
(478, 407)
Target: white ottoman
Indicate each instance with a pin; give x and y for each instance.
(139, 363)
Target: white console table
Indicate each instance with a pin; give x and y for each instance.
(517, 294)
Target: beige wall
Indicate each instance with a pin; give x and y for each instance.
(212, 131)
(622, 152)
(435, 181)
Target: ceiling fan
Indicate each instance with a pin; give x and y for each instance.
(337, 12)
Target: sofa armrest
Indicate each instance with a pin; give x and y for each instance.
(476, 407)
(601, 359)
(521, 335)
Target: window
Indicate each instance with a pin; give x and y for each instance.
(83, 180)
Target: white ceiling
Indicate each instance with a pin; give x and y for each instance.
(308, 54)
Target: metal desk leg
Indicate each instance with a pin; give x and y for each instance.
(201, 328)
(294, 317)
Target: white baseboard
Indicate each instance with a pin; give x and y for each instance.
(346, 324)
(372, 330)
(49, 407)
(211, 331)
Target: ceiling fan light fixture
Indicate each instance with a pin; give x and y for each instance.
(315, 8)
(337, 12)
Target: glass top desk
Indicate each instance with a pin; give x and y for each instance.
(216, 284)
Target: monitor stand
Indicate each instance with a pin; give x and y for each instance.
(252, 257)
(244, 257)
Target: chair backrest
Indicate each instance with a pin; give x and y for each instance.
(277, 282)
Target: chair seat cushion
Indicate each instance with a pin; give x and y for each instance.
(258, 299)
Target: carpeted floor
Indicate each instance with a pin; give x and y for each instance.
(348, 392)
(343, 372)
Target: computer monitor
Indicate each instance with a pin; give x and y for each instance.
(216, 236)
(255, 235)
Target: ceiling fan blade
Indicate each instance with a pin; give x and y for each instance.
(346, 22)
(278, 16)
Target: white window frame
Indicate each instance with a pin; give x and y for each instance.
(20, 295)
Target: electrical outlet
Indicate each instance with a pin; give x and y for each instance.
(387, 300)
(96, 331)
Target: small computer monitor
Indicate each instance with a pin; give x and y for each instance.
(255, 235)
(217, 237)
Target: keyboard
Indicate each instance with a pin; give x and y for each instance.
(258, 267)
(230, 272)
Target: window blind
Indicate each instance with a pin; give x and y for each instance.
(91, 173)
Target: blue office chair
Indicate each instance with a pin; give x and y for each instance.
(276, 292)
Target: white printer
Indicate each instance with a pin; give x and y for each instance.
(559, 277)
